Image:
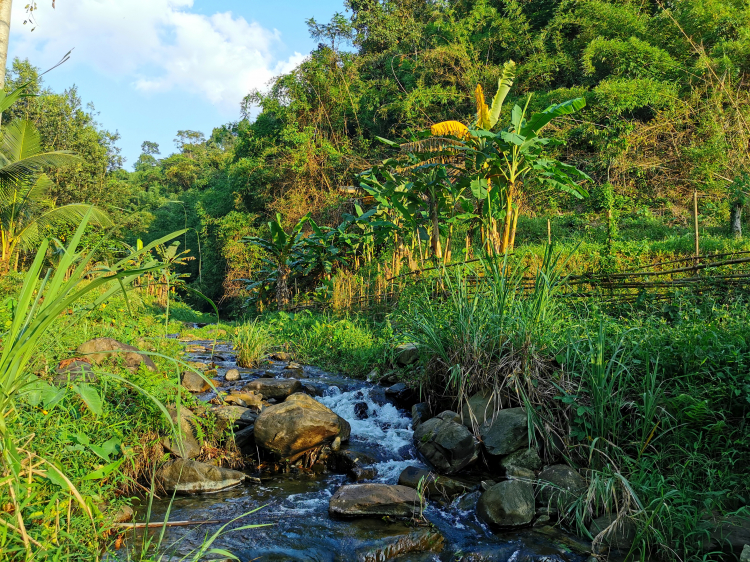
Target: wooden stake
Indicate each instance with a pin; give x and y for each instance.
(695, 218)
(549, 233)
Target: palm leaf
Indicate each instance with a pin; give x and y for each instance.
(34, 231)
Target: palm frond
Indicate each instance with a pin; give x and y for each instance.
(31, 235)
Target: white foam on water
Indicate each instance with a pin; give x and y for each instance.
(384, 427)
(389, 471)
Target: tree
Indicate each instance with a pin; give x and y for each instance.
(281, 247)
(26, 210)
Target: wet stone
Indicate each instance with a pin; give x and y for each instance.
(232, 375)
(379, 500)
(434, 484)
(360, 410)
(506, 433)
(278, 389)
(424, 540)
(193, 382)
(192, 477)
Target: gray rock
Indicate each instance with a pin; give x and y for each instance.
(281, 356)
(232, 375)
(75, 370)
(621, 534)
(399, 392)
(379, 500)
(434, 484)
(729, 534)
(507, 504)
(235, 416)
(362, 473)
(745, 554)
(193, 382)
(477, 409)
(406, 354)
(99, 350)
(446, 445)
(297, 425)
(449, 415)
(352, 463)
(184, 442)
(559, 485)
(506, 433)
(468, 502)
(274, 388)
(245, 439)
(192, 477)
(522, 464)
(420, 413)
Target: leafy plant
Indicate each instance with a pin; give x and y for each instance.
(26, 207)
(38, 307)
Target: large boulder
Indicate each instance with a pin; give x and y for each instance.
(298, 424)
(507, 504)
(192, 477)
(406, 354)
(278, 389)
(379, 500)
(477, 409)
(616, 533)
(100, 349)
(434, 484)
(448, 446)
(559, 484)
(184, 442)
(506, 433)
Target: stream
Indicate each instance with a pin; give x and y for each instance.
(296, 504)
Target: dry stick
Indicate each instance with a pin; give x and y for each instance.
(549, 233)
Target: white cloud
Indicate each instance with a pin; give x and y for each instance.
(156, 46)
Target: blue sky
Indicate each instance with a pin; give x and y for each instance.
(152, 67)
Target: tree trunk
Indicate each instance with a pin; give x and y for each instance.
(282, 288)
(736, 220)
(435, 241)
(5, 9)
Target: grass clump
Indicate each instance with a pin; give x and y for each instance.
(252, 342)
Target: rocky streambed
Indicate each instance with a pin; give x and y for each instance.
(361, 488)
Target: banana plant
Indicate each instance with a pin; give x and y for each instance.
(281, 247)
(510, 158)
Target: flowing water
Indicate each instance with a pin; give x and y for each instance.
(296, 504)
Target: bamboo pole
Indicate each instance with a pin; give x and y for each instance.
(549, 233)
(695, 221)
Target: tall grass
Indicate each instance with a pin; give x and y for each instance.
(491, 336)
(252, 343)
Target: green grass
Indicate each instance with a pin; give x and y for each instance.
(252, 342)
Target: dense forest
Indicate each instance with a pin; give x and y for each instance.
(491, 250)
(666, 114)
